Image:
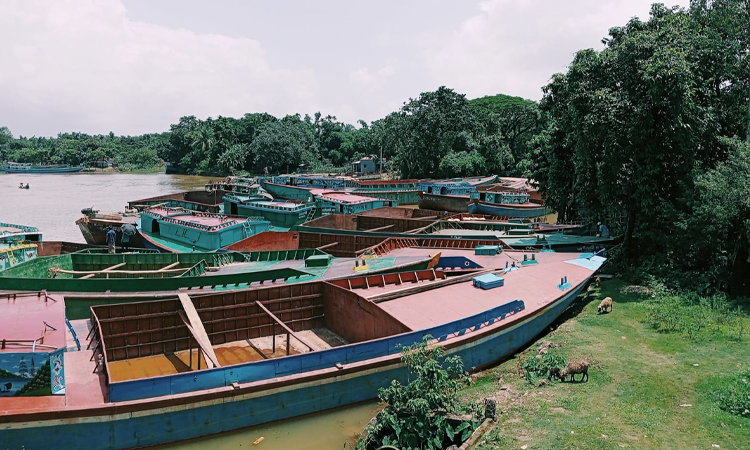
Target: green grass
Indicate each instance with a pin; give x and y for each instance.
(639, 377)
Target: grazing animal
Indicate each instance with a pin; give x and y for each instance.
(598, 281)
(606, 303)
(574, 368)
(554, 373)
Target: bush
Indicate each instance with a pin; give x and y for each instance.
(415, 417)
(732, 393)
(539, 365)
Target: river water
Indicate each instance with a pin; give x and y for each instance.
(53, 203)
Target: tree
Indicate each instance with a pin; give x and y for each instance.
(425, 130)
(633, 122)
(510, 123)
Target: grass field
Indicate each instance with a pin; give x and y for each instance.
(647, 389)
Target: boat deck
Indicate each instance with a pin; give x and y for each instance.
(237, 352)
(535, 284)
(23, 318)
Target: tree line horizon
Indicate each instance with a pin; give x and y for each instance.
(650, 134)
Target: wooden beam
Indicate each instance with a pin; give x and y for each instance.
(327, 245)
(119, 272)
(165, 268)
(108, 269)
(283, 325)
(382, 228)
(194, 324)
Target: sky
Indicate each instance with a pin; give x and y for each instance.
(137, 66)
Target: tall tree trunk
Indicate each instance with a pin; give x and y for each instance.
(630, 227)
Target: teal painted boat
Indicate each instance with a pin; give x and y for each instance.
(18, 244)
(15, 167)
(177, 229)
(281, 213)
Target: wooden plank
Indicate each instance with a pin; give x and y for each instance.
(381, 228)
(332, 244)
(165, 268)
(108, 269)
(283, 325)
(199, 333)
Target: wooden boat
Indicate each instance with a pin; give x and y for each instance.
(440, 202)
(193, 200)
(16, 167)
(525, 210)
(281, 213)
(94, 227)
(182, 367)
(180, 230)
(136, 272)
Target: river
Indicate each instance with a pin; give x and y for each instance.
(53, 203)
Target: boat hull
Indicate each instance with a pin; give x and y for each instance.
(452, 203)
(507, 210)
(123, 425)
(95, 233)
(44, 170)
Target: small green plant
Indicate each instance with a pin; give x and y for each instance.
(539, 365)
(732, 393)
(415, 417)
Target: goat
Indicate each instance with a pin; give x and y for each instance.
(574, 368)
(606, 303)
(598, 281)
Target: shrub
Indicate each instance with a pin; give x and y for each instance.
(415, 417)
(539, 365)
(732, 393)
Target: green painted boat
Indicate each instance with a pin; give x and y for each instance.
(134, 272)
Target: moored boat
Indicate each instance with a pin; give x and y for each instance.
(516, 209)
(16, 167)
(181, 230)
(18, 244)
(94, 227)
(441, 202)
(191, 365)
(281, 213)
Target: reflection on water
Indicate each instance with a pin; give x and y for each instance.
(54, 201)
(324, 431)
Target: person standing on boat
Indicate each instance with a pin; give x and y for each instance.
(603, 230)
(111, 237)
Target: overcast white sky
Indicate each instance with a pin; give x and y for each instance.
(137, 66)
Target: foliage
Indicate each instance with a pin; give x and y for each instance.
(539, 365)
(732, 392)
(415, 415)
(633, 127)
(695, 316)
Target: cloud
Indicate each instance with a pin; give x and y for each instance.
(369, 80)
(84, 66)
(514, 47)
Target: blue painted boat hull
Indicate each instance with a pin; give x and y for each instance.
(170, 421)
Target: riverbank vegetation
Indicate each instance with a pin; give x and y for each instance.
(649, 387)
